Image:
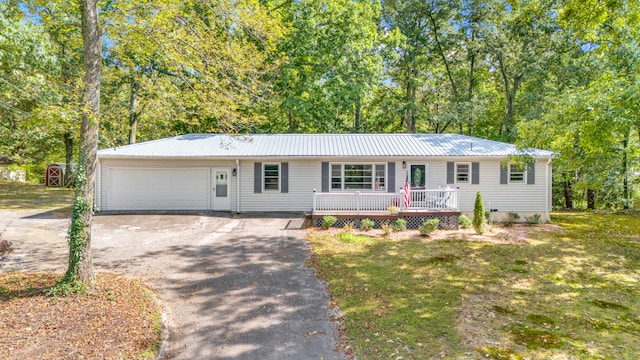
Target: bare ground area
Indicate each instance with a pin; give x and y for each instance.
(516, 234)
(117, 319)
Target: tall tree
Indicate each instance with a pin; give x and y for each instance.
(80, 270)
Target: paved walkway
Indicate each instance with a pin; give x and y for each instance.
(234, 288)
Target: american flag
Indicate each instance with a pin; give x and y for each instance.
(406, 191)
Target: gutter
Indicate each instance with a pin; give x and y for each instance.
(547, 185)
(237, 186)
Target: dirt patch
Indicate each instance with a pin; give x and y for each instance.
(516, 234)
(118, 319)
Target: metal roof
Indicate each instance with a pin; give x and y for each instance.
(317, 145)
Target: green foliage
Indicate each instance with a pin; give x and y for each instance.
(67, 286)
(533, 219)
(464, 221)
(511, 219)
(352, 238)
(348, 228)
(400, 225)
(328, 221)
(366, 224)
(479, 216)
(428, 227)
(387, 229)
(562, 76)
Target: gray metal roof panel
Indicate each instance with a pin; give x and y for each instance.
(317, 145)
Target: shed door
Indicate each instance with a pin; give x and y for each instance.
(158, 189)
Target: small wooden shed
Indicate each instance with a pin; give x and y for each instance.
(54, 177)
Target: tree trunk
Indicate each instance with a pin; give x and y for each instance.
(358, 115)
(470, 92)
(290, 118)
(625, 170)
(510, 91)
(568, 194)
(68, 158)
(410, 101)
(591, 199)
(134, 114)
(80, 269)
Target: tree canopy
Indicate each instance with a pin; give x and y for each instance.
(556, 74)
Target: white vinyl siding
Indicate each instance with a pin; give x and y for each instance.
(520, 198)
(304, 175)
(161, 184)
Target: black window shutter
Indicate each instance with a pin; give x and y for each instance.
(451, 172)
(531, 173)
(325, 176)
(284, 177)
(391, 181)
(257, 177)
(475, 173)
(504, 174)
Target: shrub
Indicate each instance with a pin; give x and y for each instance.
(464, 221)
(401, 225)
(387, 229)
(6, 247)
(348, 227)
(366, 224)
(533, 219)
(328, 221)
(511, 219)
(428, 226)
(479, 217)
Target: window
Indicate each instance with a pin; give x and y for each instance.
(517, 174)
(336, 177)
(271, 177)
(358, 177)
(463, 172)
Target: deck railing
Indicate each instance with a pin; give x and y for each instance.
(372, 203)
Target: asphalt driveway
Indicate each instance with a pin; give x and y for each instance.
(233, 288)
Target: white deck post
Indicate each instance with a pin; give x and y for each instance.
(401, 200)
(314, 202)
(358, 202)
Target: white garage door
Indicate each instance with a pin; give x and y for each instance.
(158, 189)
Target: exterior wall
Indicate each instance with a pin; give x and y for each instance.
(102, 175)
(305, 176)
(524, 199)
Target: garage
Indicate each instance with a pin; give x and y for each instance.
(158, 188)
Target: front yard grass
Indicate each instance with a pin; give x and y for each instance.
(564, 293)
(22, 196)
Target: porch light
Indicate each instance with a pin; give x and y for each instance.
(234, 172)
(404, 164)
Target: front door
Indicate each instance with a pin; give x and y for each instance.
(418, 176)
(418, 182)
(221, 189)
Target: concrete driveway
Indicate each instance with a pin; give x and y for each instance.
(233, 288)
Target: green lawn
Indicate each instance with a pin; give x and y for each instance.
(571, 293)
(21, 196)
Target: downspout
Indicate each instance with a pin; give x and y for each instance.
(547, 186)
(237, 186)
